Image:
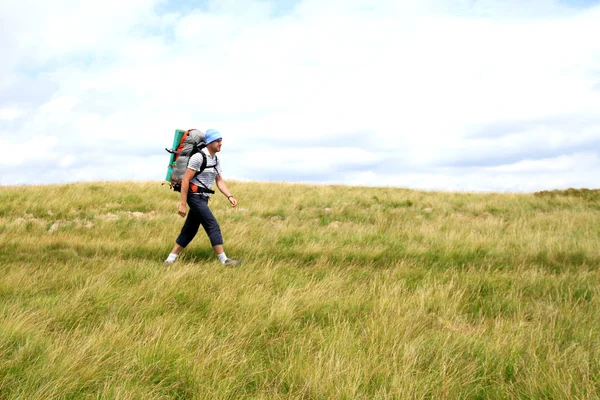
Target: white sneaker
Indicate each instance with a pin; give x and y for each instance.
(232, 263)
(169, 262)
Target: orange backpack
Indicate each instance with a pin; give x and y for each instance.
(185, 145)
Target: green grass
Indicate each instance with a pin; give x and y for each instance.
(345, 293)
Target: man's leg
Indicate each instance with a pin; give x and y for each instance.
(177, 249)
(188, 232)
(213, 231)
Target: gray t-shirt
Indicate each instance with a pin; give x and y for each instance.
(207, 177)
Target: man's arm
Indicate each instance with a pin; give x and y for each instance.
(185, 187)
(223, 188)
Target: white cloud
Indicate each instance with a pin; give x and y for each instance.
(561, 164)
(577, 170)
(11, 113)
(67, 161)
(350, 92)
(26, 151)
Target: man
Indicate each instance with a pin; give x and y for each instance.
(195, 191)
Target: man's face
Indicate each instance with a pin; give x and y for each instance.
(215, 146)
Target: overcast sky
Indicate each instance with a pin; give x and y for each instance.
(468, 95)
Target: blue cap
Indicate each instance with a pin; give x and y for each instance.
(212, 135)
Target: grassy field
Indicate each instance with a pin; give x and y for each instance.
(345, 293)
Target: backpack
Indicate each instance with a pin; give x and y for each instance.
(185, 145)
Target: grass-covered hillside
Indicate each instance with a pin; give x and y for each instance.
(344, 293)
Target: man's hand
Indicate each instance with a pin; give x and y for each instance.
(182, 209)
(232, 200)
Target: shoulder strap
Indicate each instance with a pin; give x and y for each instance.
(205, 189)
(203, 165)
(204, 161)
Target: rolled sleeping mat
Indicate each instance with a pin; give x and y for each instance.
(176, 139)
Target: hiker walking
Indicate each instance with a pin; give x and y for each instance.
(202, 170)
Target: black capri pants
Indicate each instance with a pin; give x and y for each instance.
(199, 214)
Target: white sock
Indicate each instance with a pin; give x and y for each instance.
(172, 257)
(222, 257)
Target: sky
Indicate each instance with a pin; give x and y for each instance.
(453, 95)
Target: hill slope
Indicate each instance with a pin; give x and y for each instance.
(344, 292)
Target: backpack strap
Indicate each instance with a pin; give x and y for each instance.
(204, 162)
(200, 189)
(204, 189)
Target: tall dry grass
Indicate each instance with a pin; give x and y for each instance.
(345, 292)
